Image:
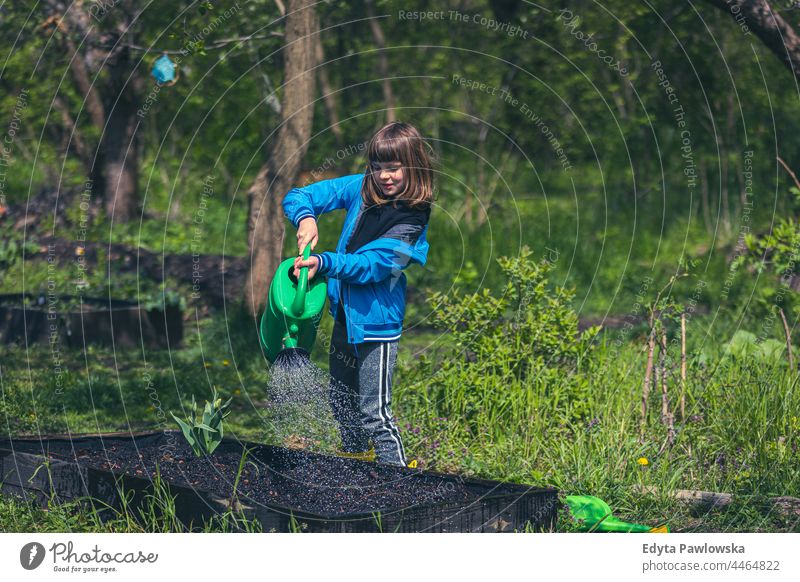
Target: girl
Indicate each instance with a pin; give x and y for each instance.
(384, 230)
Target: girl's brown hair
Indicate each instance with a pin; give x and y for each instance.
(400, 142)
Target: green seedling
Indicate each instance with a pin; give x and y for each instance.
(205, 433)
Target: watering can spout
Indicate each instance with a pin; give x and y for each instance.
(290, 339)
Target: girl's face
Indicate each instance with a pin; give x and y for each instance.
(390, 177)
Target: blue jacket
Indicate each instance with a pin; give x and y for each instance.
(369, 282)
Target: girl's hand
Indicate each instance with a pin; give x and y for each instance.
(306, 232)
(312, 263)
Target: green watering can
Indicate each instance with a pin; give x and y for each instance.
(293, 311)
(596, 516)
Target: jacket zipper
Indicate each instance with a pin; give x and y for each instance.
(349, 322)
(346, 316)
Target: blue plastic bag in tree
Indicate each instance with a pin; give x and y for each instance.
(164, 70)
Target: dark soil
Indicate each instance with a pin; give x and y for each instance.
(301, 481)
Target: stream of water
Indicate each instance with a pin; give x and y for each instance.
(300, 411)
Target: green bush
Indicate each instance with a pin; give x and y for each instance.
(745, 346)
(525, 328)
(515, 354)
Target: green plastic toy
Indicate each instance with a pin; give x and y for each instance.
(293, 311)
(595, 515)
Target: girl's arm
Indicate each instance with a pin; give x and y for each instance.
(377, 260)
(320, 197)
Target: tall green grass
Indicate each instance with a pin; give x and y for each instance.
(578, 427)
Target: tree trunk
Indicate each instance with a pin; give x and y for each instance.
(774, 31)
(383, 62)
(505, 10)
(277, 175)
(111, 107)
(119, 146)
(328, 94)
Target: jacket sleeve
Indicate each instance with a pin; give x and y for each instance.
(320, 197)
(380, 259)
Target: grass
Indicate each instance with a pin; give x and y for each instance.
(740, 435)
(576, 429)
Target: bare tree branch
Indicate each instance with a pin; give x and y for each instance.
(221, 43)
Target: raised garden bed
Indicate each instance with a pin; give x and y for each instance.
(76, 321)
(281, 487)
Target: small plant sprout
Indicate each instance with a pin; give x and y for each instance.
(205, 433)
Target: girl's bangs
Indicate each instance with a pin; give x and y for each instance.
(384, 150)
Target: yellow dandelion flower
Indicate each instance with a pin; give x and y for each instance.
(225, 363)
(643, 461)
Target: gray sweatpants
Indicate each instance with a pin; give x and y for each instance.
(361, 396)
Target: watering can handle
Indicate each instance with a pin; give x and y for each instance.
(299, 303)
